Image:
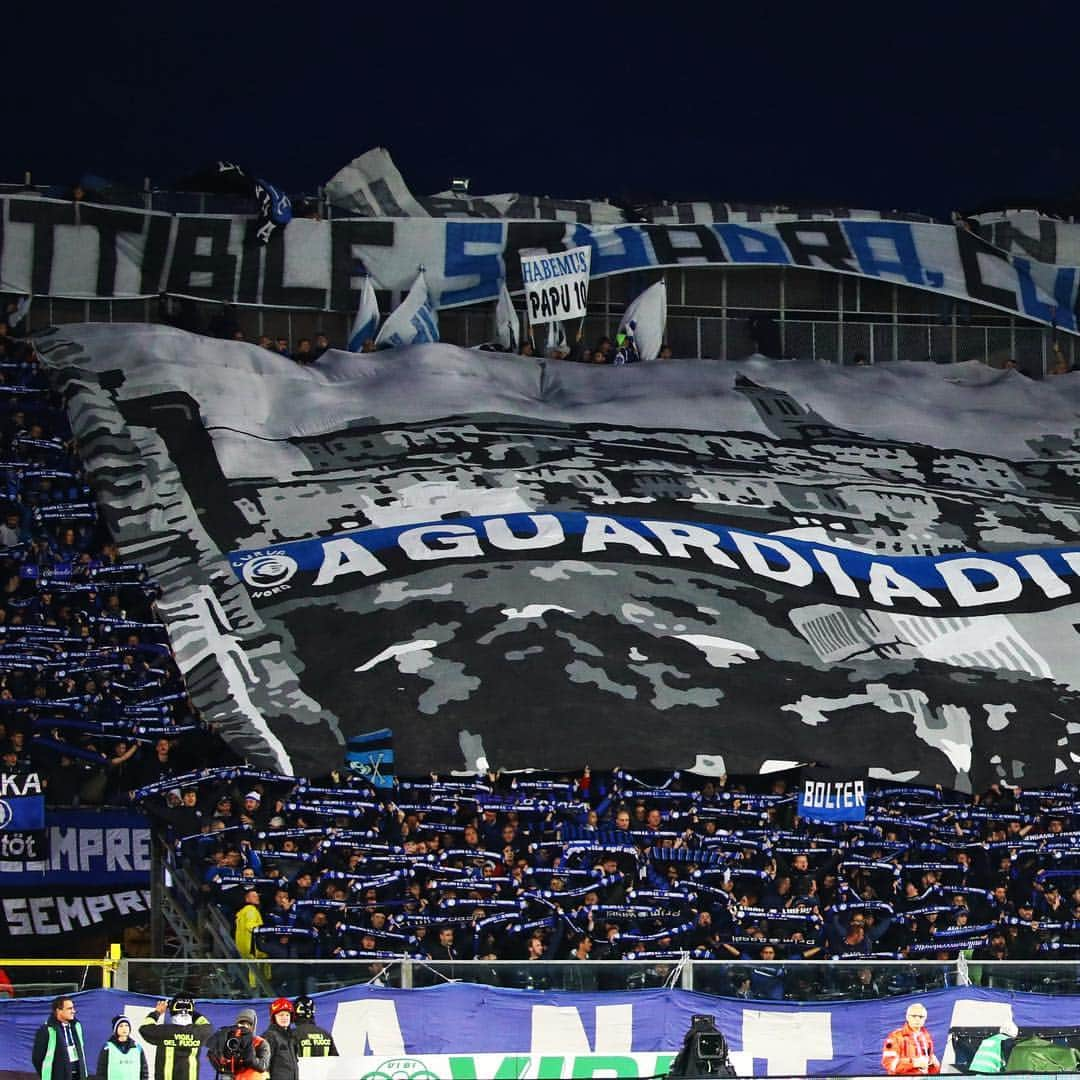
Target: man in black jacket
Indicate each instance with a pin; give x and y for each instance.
(311, 1040)
(178, 1039)
(59, 1052)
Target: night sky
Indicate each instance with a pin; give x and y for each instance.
(916, 107)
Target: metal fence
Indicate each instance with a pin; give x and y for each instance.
(802, 980)
(717, 337)
(48, 976)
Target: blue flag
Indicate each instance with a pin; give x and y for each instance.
(828, 795)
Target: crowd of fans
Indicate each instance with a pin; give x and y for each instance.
(618, 352)
(618, 867)
(90, 696)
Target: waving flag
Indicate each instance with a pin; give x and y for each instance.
(366, 323)
(275, 209)
(506, 321)
(412, 322)
(645, 320)
(227, 178)
(18, 319)
(371, 755)
(556, 338)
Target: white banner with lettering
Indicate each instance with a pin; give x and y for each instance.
(556, 286)
(60, 249)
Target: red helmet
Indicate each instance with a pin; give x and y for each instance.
(281, 1005)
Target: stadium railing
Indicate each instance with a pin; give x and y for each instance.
(833, 341)
(49, 976)
(803, 980)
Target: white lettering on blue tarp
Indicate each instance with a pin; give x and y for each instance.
(1021, 580)
(834, 794)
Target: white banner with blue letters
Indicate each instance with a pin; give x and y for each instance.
(63, 249)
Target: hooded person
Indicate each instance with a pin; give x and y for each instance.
(122, 1058)
(284, 1052)
(178, 1039)
(237, 1052)
(311, 1040)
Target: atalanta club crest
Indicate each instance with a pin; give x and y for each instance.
(268, 572)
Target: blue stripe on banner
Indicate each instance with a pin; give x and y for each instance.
(366, 737)
(820, 813)
(939, 584)
(22, 813)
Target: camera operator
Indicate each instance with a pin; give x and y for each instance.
(237, 1053)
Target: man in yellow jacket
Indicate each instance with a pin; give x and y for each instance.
(248, 918)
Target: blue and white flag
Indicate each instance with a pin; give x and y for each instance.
(275, 209)
(412, 322)
(366, 323)
(22, 818)
(828, 795)
(506, 321)
(646, 319)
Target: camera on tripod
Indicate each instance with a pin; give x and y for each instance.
(704, 1052)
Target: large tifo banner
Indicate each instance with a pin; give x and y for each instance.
(467, 1032)
(537, 564)
(54, 248)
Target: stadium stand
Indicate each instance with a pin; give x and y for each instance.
(607, 866)
(90, 695)
(620, 867)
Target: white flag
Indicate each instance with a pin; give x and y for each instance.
(412, 322)
(645, 320)
(366, 323)
(18, 321)
(556, 338)
(506, 321)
